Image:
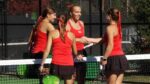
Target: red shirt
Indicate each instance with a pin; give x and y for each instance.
(117, 48)
(62, 51)
(40, 41)
(78, 34)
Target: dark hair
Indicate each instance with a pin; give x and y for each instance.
(71, 8)
(114, 13)
(47, 10)
(62, 20)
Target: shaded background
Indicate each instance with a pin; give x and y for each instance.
(18, 16)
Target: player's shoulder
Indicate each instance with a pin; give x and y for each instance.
(54, 32)
(110, 27)
(70, 33)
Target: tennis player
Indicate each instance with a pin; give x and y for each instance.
(114, 58)
(38, 37)
(76, 26)
(62, 43)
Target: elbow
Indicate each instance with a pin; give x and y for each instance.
(110, 46)
(45, 53)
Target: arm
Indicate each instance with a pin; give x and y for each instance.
(81, 40)
(72, 37)
(92, 40)
(46, 52)
(74, 46)
(30, 39)
(110, 44)
(78, 57)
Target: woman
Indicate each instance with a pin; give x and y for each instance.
(38, 37)
(62, 43)
(76, 26)
(114, 58)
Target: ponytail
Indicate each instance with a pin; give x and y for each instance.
(62, 26)
(116, 16)
(119, 24)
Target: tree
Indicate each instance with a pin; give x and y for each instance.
(15, 7)
(62, 6)
(141, 13)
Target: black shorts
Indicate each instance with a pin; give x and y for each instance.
(63, 72)
(116, 65)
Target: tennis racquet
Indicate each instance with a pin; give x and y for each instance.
(89, 45)
(100, 78)
(51, 79)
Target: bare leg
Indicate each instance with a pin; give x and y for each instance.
(112, 79)
(69, 81)
(73, 78)
(119, 79)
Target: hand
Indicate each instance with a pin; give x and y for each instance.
(41, 69)
(97, 40)
(79, 57)
(104, 62)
